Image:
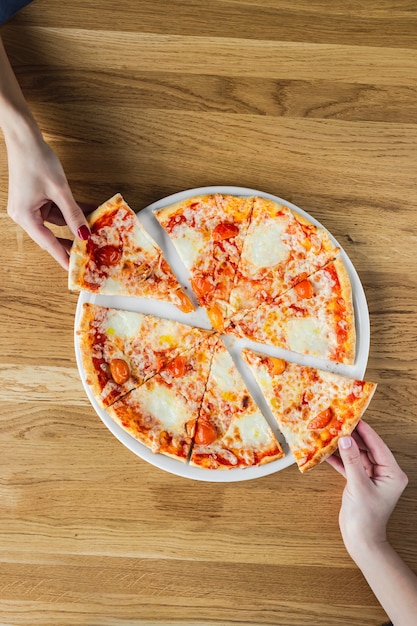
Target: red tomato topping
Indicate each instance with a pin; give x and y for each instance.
(225, 230)
(202, 286)
(216, 317)
(304, 289)
(105, 220)
(103, 378)
(177, 367)
(278, 366)
(353, 397)
(107, 255)
(206, 433)
(174, 221)
(120, 371)
(186, 306)
(321, 420)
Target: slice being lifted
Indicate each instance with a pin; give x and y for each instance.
(231, 430)
(281, 248)
(315, 317)
(120, 349)
(162, 413)
(313, 408)
(208, 233)
(120, 258)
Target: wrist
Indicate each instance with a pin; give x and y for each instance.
(366, 551)
(18, 125)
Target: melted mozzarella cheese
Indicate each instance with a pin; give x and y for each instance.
(224, 371)
(308, 335)
(124, 323)
(168, 334)
(264, 246)
(254, 430)
(144, 241)
(111, 287)
(189, 246)
(171, 410)
(107, 235)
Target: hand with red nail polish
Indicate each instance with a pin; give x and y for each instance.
(38, 188)
(374, 484)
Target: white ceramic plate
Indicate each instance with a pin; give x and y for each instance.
(199, 318)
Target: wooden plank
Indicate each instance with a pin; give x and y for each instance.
(221, 56)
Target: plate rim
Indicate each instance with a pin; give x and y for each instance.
(184, 470)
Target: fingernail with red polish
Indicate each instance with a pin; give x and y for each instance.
(83, 232)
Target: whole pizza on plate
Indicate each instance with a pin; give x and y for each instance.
(267, 277)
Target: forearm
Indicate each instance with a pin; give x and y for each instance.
(392, 582)
(15, 116)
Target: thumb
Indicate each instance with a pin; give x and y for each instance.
(351, 457)
(73, 215)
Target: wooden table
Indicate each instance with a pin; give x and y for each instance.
(311, 101)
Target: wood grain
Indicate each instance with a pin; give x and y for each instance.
(311, 101)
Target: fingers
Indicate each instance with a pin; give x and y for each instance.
(73, 214)
(337, 463)
(352, 460)
(47, 240)
(378, 449)
(51, 213)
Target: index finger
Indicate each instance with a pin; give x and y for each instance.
(47, 241)
(379, 450)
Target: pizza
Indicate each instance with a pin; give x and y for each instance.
(162, 413)
(281, 249)
(313, 408)
(231, 430)
(120, 258)
(315, 317)
(208, 233)
(122, 349)
(263, 273)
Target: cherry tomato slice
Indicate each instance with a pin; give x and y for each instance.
(321, 420)
(202, 286)
(225, 230)
(304, 289)
(120, 371)
(206, 433)
(278, 365)
(177, 367)
(186, 306)
(216, 317)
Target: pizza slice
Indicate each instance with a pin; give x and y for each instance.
(121, 349)
(281, 248)
(162, 413)
(208, 233)
(121, 258)
(315, 317)
(231, 431)
(313, 408)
